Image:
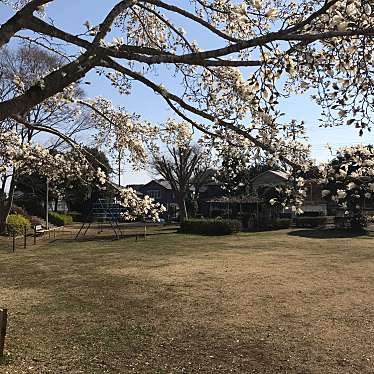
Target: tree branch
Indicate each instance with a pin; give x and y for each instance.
(146, 55)
(14, 24)
(109, 63)
(105, 26)
(192, 17)
(49, 86)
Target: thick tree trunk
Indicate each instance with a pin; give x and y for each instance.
(182, 208)
(6, 205)
(5, 210)
(3, 216)
(2, 205)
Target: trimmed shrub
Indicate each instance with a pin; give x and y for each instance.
(210, 226)
(59, 219)
(358, 223)
(17, 223)
(282, 223)
(311, 221)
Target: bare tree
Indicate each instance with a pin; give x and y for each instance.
(182, 167)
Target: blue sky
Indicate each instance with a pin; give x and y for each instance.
(71, 15)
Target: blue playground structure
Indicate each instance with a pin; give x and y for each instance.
(101, 212)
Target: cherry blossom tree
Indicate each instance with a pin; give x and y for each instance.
(64, 117)
(348, 180)
(28, 158)
(20, 68)
(266, 50)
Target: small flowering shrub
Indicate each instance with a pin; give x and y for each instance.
(348, 180)
(17, 223)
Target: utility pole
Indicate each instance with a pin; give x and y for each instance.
(119, 166)
(120, 149)
(47, 205)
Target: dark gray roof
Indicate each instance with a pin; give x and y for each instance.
(164, 183)
(280, 174)
(135, 186)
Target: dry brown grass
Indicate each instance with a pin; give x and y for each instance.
(251, 303)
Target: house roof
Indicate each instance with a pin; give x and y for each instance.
(164, 183)
(279, 174)
(160, 182)
(135, 186)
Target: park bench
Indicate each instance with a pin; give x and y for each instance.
(39, 230)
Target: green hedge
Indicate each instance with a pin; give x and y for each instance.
(59, 219)
(282, 223)
(210, 226)
(311, 221)
(17, 223)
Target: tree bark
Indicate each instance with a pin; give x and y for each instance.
(3, 217)
(6, 205)
(182, 208)
(52, 84)
(15, 23)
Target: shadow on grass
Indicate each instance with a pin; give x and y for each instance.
(168, 228)
(329, 233)
(139, 236)
(108, 318)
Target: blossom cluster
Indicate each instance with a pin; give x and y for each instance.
(118, 130)
(348, 179)
(291, 195)
(289, 46)
(176, 133)
(136, 207)
(28, 158)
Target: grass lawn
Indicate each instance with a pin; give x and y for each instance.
(250, 303)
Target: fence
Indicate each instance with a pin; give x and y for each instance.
(29, 238)
(33, 239)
